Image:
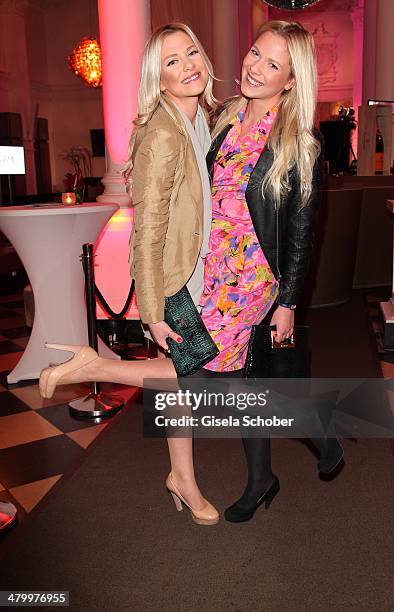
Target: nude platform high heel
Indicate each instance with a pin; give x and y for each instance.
(207, 516)
(50, 377)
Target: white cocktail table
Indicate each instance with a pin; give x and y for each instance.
(48, 239)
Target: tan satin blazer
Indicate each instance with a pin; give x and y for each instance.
(168, 211)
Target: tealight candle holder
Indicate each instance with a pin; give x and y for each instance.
(68, 197)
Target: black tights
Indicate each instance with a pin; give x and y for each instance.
(314, 420)
(258, 460)
(257, 450)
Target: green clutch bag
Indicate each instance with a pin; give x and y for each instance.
(197, 348)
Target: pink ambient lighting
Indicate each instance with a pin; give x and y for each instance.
(124, 27)
(114, 280)
(122, 40)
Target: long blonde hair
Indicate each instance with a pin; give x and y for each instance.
(149, 94)
(291, 138)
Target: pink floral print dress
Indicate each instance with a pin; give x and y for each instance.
(239, 286)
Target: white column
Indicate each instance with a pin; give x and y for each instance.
(358, 34)
(378, 53)
(124, 28)
(384, 50)
(369, 50)
(225, 47)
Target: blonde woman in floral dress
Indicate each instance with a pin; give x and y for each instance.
(265, 163)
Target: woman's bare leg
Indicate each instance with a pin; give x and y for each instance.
(182, 469)
(122, 372)
(133, 373)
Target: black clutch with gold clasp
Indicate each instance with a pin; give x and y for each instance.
(267, 358)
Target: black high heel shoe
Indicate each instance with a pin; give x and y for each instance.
(331, 454)
(245, 507)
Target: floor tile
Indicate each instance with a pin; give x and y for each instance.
(127, 393)
(12, 297)
(20, 311)
(37, 460)
(15, 332)
(11, 404)
(12, 303)
(387, 369)
(9, 361)
(84, 437)
(30, 494)
(6, 346)
(21, 342)
(61, 418)
(18, 385)
(5, 313)
(12, 323)
(31, 396)
(24, 427)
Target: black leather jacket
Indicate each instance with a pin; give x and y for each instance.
(284, 234)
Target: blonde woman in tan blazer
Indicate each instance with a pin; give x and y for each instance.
(168, 218)
(171, 196)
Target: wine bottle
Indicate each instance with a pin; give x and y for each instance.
(379, 150)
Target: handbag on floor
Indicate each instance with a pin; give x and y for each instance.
(197, 348)
(268, 359)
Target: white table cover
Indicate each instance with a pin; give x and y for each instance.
(48, 239)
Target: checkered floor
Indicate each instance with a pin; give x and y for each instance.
(39, 441)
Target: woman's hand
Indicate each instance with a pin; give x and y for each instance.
(161, 331)
(283, 318)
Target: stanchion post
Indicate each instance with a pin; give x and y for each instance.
(97, 404)
(87, 259)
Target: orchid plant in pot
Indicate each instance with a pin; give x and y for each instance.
(81, 160)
